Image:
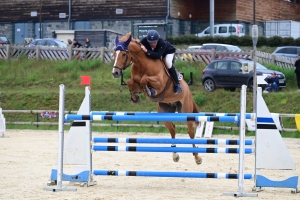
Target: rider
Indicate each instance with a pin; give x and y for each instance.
(155, 47)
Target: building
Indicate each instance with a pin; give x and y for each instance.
(20, 19)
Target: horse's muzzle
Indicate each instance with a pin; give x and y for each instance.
(116, 72)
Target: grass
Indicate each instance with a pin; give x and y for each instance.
(33, 85)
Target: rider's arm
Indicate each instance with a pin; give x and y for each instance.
(159, 50)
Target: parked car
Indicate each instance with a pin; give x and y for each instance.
(224, 30)
(4, 40)
(190, 55)
(220, 47)
(50, 42)
(227, 73)
(287, 51)
(194, 48)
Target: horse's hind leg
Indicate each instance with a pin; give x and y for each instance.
(191, 131)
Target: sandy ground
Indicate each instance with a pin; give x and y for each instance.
(28, 156)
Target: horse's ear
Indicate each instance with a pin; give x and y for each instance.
(117, 40)
(128, 41)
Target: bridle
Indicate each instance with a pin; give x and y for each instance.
(126, 59)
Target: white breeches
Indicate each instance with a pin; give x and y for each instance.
(169, 60)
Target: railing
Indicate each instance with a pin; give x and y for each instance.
(54, 53)
(38, 121)
(106, 55)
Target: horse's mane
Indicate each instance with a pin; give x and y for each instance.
(125, 38)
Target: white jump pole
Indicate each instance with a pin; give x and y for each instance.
(240, 192)
(60, 144)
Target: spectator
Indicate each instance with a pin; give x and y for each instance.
(76, 43)
(70, 42)
(273, 83)
(87, 43)
(297, 71)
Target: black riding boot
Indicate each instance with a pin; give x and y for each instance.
(173, 73)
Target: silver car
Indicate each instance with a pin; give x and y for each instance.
(49, 42)
(287, 51)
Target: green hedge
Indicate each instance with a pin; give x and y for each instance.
(235, 40)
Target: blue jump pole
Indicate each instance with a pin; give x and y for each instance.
(152, 118)
(171, 141)
(170, 149)
(248, 115)
(170, 174)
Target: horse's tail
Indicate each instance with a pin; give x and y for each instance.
(196, 109)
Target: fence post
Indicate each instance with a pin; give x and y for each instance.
(38, 51)
(7, 52)
(273, 60)
(213, 54)
(102, 54)
(70, 52)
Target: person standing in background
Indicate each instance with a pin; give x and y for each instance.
(70, 42)
(297, 71)
(87, 43)
(76, 44)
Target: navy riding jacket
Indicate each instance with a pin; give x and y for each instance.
(161, 50)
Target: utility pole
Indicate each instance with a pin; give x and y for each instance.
(254, 12)
(40, 19)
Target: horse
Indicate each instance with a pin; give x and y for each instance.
(149, 76)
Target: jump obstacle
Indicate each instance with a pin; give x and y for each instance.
(2, 124)
(270, 151)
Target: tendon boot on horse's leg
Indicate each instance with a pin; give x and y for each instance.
(173, 73)
(198, 159)
(175, 154)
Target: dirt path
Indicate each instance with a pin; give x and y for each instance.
(28, 156)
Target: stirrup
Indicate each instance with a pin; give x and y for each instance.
(177, 89)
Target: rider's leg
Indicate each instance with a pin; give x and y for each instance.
(173, 73)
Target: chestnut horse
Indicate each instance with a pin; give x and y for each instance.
(150, 77)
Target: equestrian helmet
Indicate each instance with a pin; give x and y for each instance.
(152, 36)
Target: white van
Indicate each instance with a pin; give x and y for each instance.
(224, 30)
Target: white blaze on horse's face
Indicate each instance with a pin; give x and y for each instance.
(116, 72)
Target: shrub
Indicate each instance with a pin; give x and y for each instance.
(233, 40)
(219, 39)
(274, 41)
(262, 41)
(246, 41)
(287, 41)
(297, 42)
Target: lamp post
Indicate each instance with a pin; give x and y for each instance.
(40, 19)
(254, 40)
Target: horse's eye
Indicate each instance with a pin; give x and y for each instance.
(124, 54)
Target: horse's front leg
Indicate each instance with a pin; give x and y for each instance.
(134, 88)
(150, 84)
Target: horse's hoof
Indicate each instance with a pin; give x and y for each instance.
(175, 157)
(137, 99)
(199, 161)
